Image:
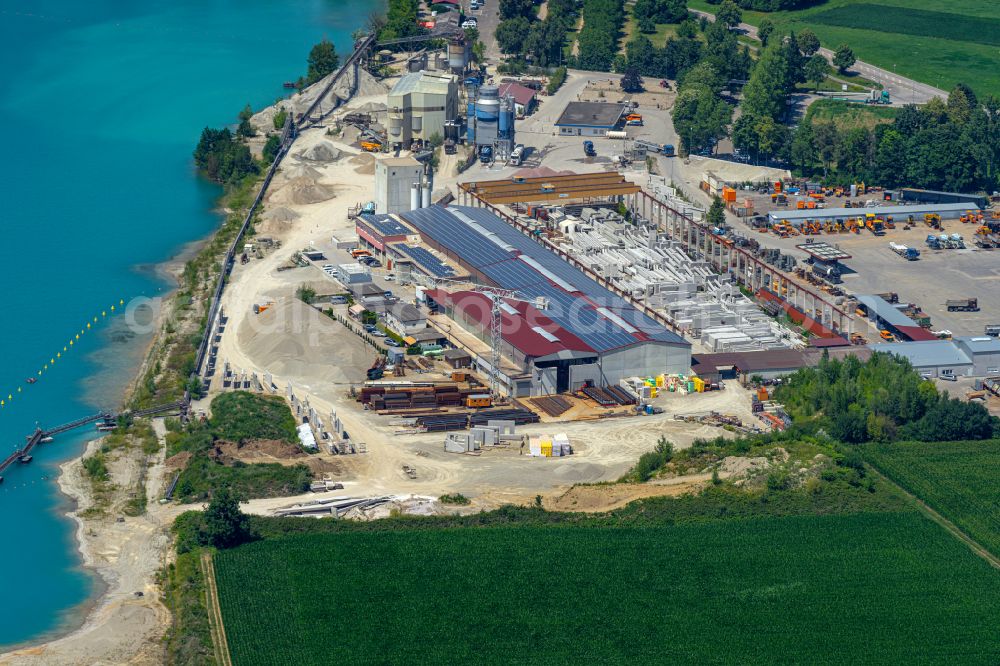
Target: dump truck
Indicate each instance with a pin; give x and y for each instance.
(485, 154)
(962, 305)
(908, 253)
(588, 149)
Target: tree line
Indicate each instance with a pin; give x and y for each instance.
(521, 34)
(881, 399)
(598, 39)
(769, 5)
(951, 145)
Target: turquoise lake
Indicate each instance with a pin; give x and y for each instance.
(101, 104)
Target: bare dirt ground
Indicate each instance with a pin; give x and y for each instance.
(601, 498)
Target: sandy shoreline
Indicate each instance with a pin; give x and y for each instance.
(99, 614)
(124, 554)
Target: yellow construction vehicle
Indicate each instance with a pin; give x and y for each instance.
(932, 220)
(261, 307)
(370, 146)
(887, 336)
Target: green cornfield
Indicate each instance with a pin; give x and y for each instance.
(959, 480)
(863, 588)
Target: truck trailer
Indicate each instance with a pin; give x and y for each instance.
(962, 305)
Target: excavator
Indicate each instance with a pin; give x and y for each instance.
(932, 220)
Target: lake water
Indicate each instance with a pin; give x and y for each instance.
(101, 103)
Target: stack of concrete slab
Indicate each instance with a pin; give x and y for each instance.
(656, 270)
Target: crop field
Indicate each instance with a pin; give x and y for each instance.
(939, 42)
(858, 588)
(908, 21)
(960, 480)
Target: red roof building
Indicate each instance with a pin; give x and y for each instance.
(524, 98)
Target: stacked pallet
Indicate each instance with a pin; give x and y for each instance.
(620, 395)
(600, 396)
(552, 405)
(413, 397)
(518, 416)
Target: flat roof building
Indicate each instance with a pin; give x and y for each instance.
(567, 330)
(589, 118)
(394, 179)
(961, 357)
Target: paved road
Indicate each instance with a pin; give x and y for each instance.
(901, 88)
(488, 17)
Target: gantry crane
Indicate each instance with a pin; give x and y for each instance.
(497, 296)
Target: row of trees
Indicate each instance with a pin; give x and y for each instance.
(881, 399)
(721, 49)
(768, 5)
(953, 145)
(598, 40)
(520, 33)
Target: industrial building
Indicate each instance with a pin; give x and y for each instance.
(490, 121)
(961, 357)
(654, 270)
(419, 105)
(947, 211)
(933, 196)
(563, 329)
(378, 231)
(524, 98)
(394, 181)
(590, 118)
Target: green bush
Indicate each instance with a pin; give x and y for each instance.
(240, 416)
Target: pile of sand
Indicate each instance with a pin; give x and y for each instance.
(324, 151)
(300, 191)
(301, 171)
(370, 107)
(369, 86)
(280, 214)
(295, 341)
(364, 163)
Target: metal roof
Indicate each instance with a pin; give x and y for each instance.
(884, 310)
(980, 344)
(512, 260)
(521, 94)
(824, 251)
(591, 114)
(423, 82)
(386, 225)
(826, 213)
(926, 353)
